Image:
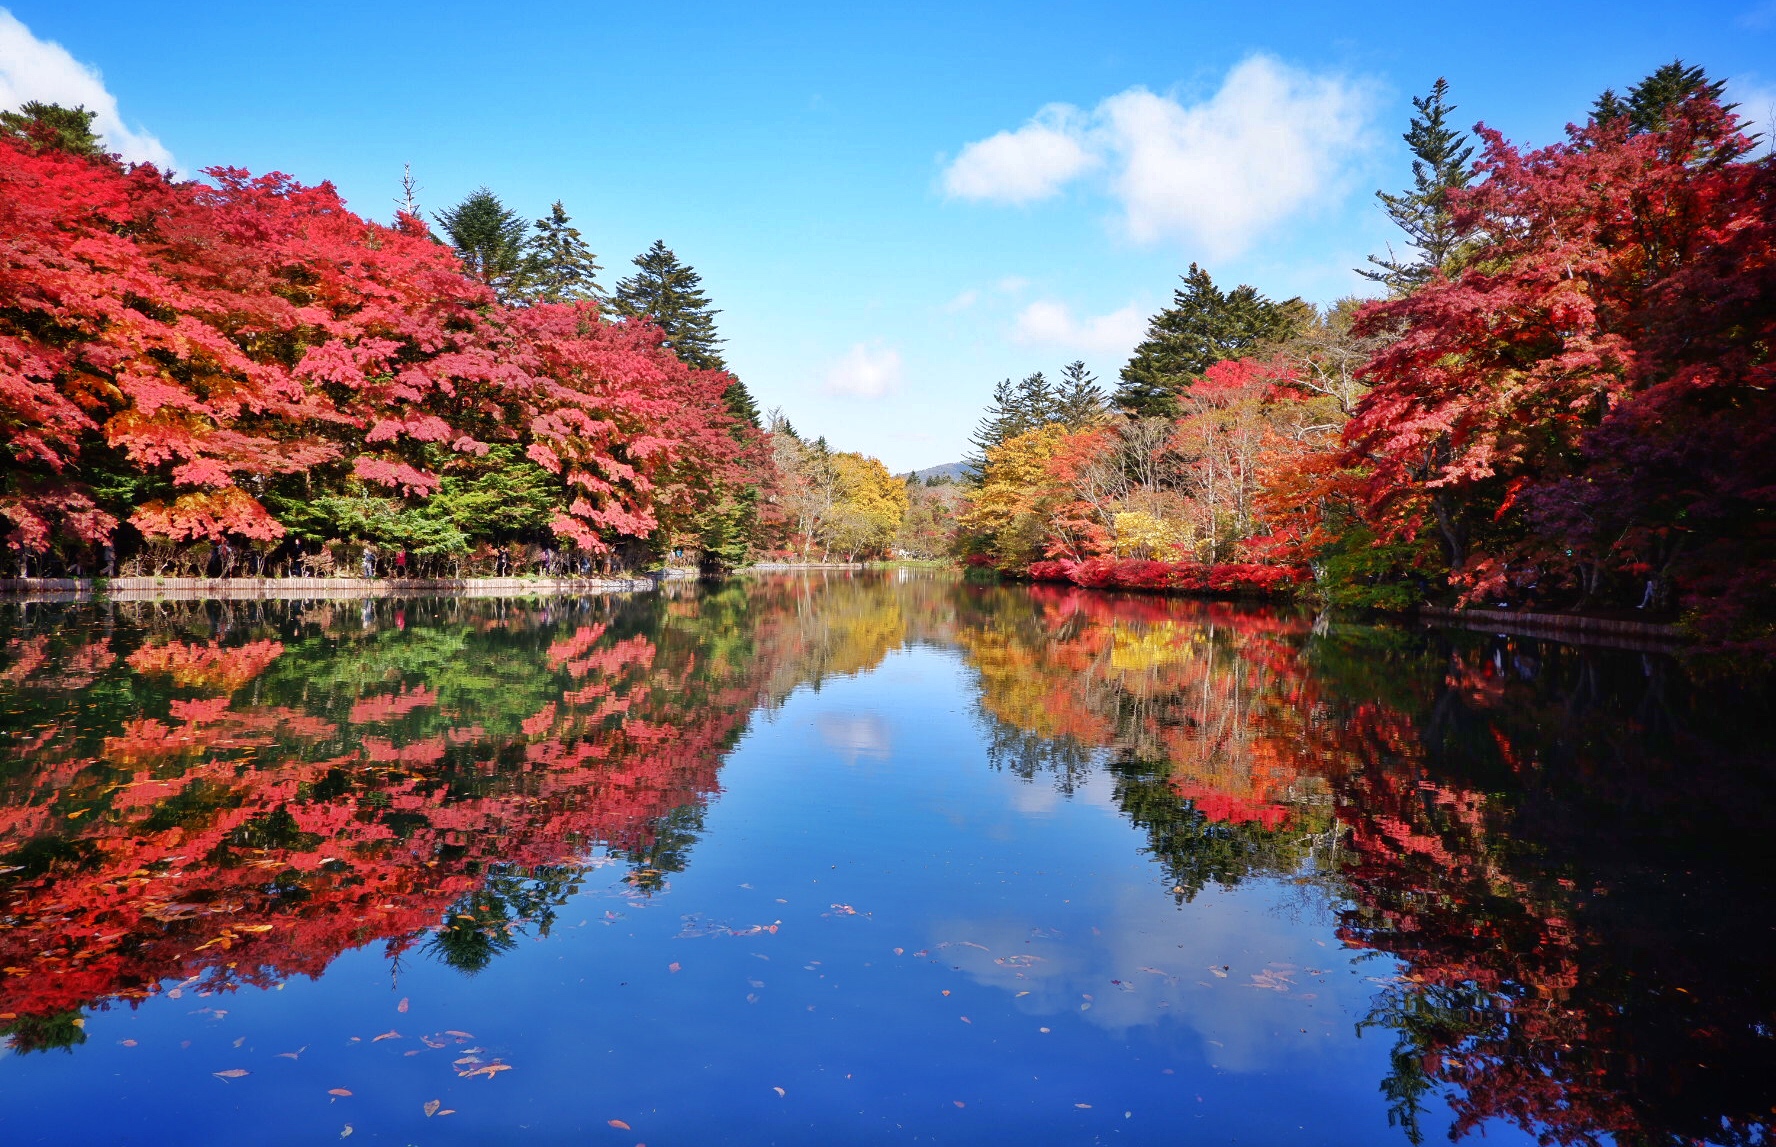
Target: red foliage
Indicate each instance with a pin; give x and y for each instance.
(1223, 578)
(216, 335)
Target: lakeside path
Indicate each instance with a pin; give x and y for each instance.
(250, 589)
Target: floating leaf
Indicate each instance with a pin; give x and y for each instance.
(339, 1091)
(779, 1091)
(619, 1124)
(898, 951)
(460, 1035)
(672, 967)
(958, 1103)
(1085, 1105)
(127, 1042)
(390, 1034)
(431, 1107)
(231, 1073)
(346, 1134)
(402, 1006)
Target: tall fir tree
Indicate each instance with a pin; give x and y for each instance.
(1651, 101)
(52, 127)
(1202, 326)
(1079, 400)
(671, 294)
(1440, 156)
(489, 238)
(559, 266)
(1017, 408)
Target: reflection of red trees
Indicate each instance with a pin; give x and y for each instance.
(240, 843)
(1541, 984)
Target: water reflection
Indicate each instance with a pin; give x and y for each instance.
(1562, 854)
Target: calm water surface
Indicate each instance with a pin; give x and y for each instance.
(869, 860)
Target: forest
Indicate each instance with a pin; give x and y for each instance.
(1560, 399)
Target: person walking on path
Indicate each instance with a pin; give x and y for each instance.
(369, 561)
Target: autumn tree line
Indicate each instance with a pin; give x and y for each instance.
(242, 376)
(1563, 399)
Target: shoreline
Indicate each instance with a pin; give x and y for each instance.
(1622, 633)
(48, 590)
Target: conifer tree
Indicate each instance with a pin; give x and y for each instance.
(1079, 400)
(489, 239)
(1017, 408)
(1439, 164)
(1202, 326)
(1651, 101)
(671, 294)
(559, 267)
(52, 127)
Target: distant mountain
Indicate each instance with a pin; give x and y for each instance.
(956, 471)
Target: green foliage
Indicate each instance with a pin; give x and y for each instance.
(1439, 164)
(52, 127)
(1357, 572)
(489, 238)
(1079, 400)
(559, 267)
(671, 294)
(1650, 102)
(1203, 326)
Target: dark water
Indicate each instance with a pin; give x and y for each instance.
(870, 860)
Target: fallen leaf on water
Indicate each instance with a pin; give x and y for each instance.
(1087, 1105)
(778, 1090)
(899, 951)
(672, 967)
(489, 1070)
(390, 1034)
(1043, 1030)
(460, 1035)
(619, 1124)
(966, 1020)
(958, 1103)
(448, 1111)
(415, 1051)
(127, 1042)
(346, 1134)
(240, 1041)
(292, 1054)
(231, 1073)
(1021, 994)
(430, 1042)
(402, 1006)
(431, 1107)
(337, 1091)
(946, 991)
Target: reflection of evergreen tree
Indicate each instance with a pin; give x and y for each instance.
(64, 1031)
(488, 921)
(1194, 850)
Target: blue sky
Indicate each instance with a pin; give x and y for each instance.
(893, 207)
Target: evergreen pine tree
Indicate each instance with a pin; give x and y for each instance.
(558, 265)
(670, 293)
(1017, 408)
(489, 239)
(1202, 326)
(1079, 400)
(1439, 164)
(53, 127)
(1650, 103)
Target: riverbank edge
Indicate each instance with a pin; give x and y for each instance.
(309, 588)
(1653, 635)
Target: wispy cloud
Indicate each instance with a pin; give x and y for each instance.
(1048, 323)
(1215, 174)
(865, 372)
(962, 301)
(1757, 107)
(33, 69)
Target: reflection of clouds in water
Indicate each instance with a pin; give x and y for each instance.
(1041, 795)
(854, 735)
(1142, 969)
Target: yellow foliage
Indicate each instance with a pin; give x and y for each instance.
(1143, 535)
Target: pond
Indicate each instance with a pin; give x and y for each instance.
(872, 858)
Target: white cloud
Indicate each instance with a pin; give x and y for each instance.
(1025, 165)
(33, 69)
(963, 301)
(1215, 174)
(1011, 284)
(1048, 323)
(1757, 107)
(865, 372)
